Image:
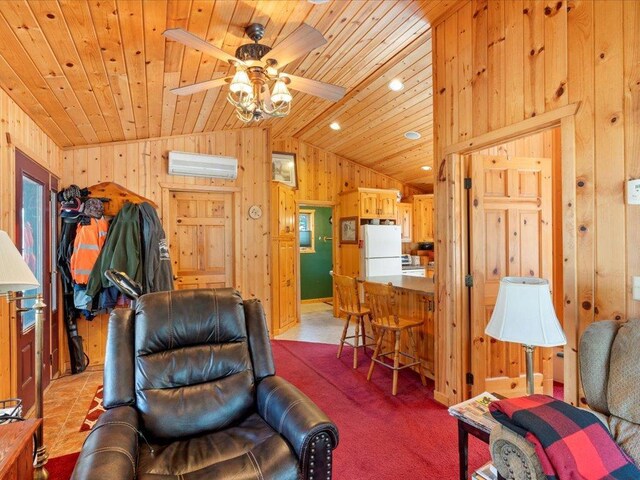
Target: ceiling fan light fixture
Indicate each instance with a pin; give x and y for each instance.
(396, 85)
(334, 126)
(280, 93)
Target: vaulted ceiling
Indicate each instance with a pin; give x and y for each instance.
(99, 71)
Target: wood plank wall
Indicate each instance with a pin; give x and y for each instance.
(27, 136)
(500, 62)
(141, 166)
(322, 175)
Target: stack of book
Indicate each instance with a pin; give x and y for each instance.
(486, 472)
(475, 411)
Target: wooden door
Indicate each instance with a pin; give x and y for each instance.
(510, 234)
(288, 298)
(201, 239)
(369, 205)
(387, 204)
(404, 220)
(33, 238)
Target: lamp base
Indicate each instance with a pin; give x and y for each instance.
(39, 472)
(528, 349)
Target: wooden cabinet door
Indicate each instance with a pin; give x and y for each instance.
(423, 218)
(285, 211)
(510, 235)
(201, 239)
(369, 205)
(388, 204)
(287, 281)
(404, 220)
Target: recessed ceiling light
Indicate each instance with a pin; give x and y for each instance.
(334, 126)
(318, 2)
(426, 167)
(396, 85)
(412, 135)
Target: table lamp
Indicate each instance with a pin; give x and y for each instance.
(16, 276)
(524, 314)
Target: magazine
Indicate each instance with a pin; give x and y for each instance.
(476, 411)
(486, 472)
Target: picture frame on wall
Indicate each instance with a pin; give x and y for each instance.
(348, 230)
(284, 168)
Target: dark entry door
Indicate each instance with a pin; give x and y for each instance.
(33, 238)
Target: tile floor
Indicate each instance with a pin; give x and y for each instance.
(67, 400)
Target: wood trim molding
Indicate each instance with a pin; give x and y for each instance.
(521, 129)
(316, 203)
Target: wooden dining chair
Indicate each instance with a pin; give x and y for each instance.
(382, 300)
(349, 302)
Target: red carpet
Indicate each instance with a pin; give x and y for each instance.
(381, 437)
(94, 412)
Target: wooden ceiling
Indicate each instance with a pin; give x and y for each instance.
(100, 71)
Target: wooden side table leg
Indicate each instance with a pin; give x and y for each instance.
(463, 450)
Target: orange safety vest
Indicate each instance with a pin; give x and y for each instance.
(86, 248)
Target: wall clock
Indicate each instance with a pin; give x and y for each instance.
(255, 211)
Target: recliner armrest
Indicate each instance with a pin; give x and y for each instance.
(110, 451)
(294, 415)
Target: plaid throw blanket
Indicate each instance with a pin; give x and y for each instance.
(572, 444)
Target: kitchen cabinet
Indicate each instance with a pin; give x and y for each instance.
(283, 211)
(404, 219)
(423, 218)
(371, 203)
(284, 258)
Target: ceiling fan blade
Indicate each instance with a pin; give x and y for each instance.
(316, 88)
(193, 41)
(300, 42)
(199, 87)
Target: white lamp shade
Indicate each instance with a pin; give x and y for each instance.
(241, 83)
(524, 314)
(280, 93)
(15, 274)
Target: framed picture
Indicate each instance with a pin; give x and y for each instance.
(349, 230)
(283, 168)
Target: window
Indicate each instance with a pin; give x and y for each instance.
(305, 228)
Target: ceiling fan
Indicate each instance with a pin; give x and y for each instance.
(256, 67)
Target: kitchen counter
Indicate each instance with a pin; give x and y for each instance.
(407, 282)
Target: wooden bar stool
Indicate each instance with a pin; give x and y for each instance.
(349, 301)
(386, 319)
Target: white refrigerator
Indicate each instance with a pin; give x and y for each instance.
(380, 250)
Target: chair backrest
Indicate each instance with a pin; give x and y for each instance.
(381, 299)
(348, 296)
(193, 367)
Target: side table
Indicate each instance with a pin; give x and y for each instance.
(16, 449)
(464, 429)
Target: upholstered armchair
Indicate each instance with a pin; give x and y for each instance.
(190, 393)
(610, 373)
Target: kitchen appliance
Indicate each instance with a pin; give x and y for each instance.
(380, 250)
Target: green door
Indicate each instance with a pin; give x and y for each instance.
(316, 252)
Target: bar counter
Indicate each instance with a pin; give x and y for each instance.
(416, 297)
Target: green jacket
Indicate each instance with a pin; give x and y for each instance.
(121, 250)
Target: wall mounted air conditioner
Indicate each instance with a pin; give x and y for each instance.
(200, 165)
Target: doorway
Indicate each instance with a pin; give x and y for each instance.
(316, 253)
(36, 233)
(511, 232)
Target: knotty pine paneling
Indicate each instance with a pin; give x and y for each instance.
(585, 51)
(26, 135)
(141, 166)
(322, 175)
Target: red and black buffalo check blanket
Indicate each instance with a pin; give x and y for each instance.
(572, 444)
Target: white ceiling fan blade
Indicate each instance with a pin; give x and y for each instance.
(193, 41)
(301, 41)
(316, 88)
(199, 87)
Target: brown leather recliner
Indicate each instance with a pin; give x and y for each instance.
(191, 393)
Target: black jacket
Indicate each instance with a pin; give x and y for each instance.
(156, 274)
